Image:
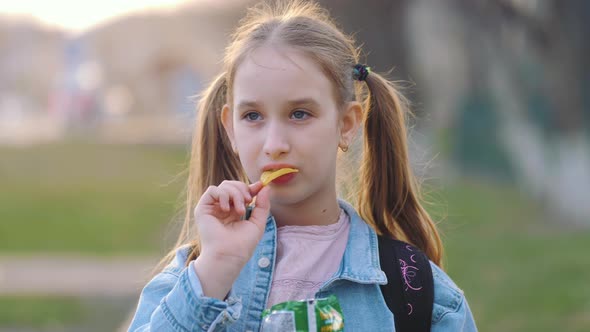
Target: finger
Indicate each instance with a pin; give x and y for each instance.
(239, 194)
(222, 199)
(255, 187)
(237, 198)
(209, 197)
(242, 188)
(213, 197)
(245, 190)
(261, 209)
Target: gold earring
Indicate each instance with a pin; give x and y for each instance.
(344, 146)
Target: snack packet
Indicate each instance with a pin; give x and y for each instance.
(316, 315)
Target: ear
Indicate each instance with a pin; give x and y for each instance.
(228, 124)
(350, 122)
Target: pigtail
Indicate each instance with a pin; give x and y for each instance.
(212, 161)
(389, 197)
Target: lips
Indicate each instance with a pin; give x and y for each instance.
(274, 167)
(283, 179)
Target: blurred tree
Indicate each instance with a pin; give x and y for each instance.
(379, 27)
(531, 58)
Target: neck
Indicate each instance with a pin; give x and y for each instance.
(311, 211)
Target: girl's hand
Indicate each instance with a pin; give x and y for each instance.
(224, 235)
(228, 241)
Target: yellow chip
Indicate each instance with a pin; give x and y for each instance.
(268, 176)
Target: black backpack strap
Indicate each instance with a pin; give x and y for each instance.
(409, 292)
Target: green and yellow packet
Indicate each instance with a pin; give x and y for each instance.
(316, 315)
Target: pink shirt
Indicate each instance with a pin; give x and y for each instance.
(307, 256)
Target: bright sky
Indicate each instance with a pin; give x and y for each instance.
(78, 15)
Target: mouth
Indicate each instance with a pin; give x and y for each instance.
(281, 175)
(284, 179)
(276, 167)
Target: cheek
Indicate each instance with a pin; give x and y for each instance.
(248, 161)
(320, 151)
(247, 151)
(243, 138)
(325, 138)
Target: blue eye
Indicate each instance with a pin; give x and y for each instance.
(300, 115)
(252, 116)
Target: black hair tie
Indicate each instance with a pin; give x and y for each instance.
(360, 72)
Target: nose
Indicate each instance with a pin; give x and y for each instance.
(276, 142)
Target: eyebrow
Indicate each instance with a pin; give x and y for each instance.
(303, 101)
(308, 101)
(247, 104)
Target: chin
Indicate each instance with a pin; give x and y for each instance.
(283, 199)
(289, 197)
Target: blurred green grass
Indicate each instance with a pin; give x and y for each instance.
(41, 311)
(35, 313)
(88, 198)
(520, 270)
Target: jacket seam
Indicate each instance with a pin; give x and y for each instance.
(194, 305)
(456, 308)
(171, 319)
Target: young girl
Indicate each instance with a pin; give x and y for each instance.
(291, 94)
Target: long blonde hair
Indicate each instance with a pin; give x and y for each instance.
(389, 197)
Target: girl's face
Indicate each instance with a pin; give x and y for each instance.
(284, 114)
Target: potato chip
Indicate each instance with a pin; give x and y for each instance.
(268, 176)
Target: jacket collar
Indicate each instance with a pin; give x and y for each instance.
(360, 262)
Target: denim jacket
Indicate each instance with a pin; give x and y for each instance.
(173, 300)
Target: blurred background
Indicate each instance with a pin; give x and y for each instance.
(97, 110)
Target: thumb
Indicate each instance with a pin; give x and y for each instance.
(262, 208)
